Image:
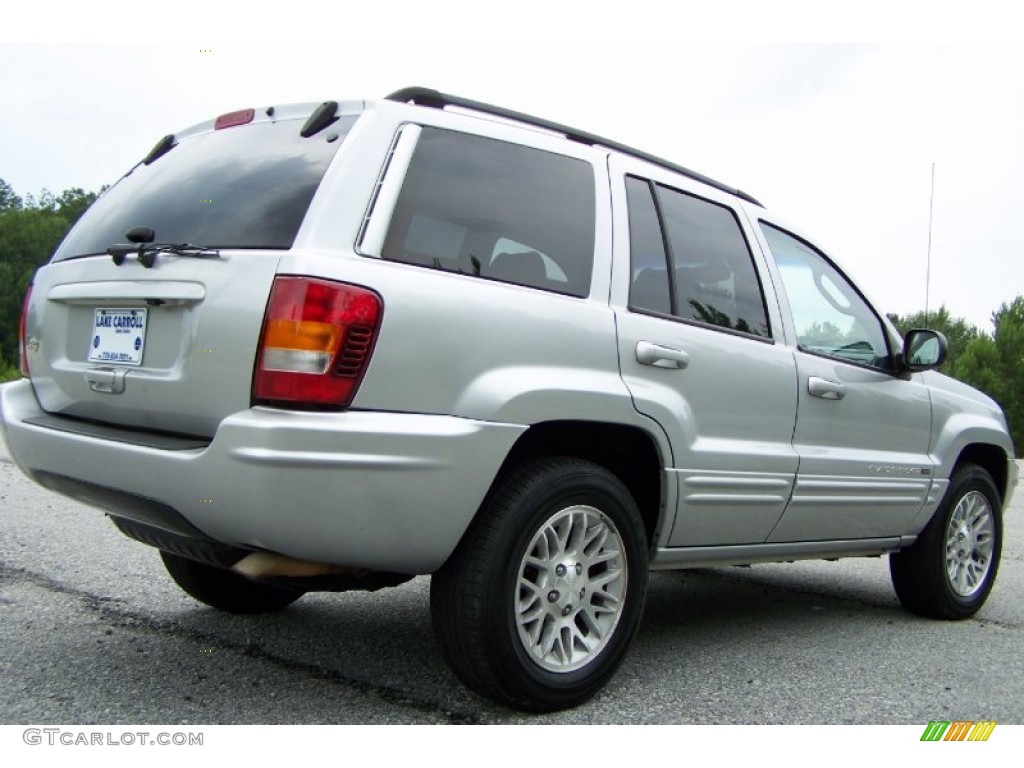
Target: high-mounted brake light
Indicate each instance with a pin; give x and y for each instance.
(316, 343)
(241, 117)
(22, 341)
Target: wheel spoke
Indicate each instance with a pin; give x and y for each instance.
(541, 565)
(594, 629)
(530, 609)
(562, 534)
(595, 539)
(577, 533)
(975, 573)
(603, 557)
(981, 521)
(608, 578)
(952, 567)
(585, 643)
(607, 601)
(551, 546)
(563, 647)
(961, 581)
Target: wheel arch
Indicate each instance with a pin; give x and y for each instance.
(629, 452)
(992, 459)
(949, 570)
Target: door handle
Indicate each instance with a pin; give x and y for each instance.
(826, 389)
(660, 356)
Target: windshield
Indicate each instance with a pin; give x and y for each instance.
(241, 187)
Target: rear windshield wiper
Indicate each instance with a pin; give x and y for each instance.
(142, 244)
(147, 251)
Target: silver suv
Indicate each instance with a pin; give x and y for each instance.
(333, 347)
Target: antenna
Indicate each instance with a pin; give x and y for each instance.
(928, 268)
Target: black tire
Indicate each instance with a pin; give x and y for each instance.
(226, 590)
(493, 611)
(949, 571)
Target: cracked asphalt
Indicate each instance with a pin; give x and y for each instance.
(93, 631)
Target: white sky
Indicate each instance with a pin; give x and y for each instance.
(838, 138)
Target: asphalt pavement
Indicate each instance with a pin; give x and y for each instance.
(92, 630)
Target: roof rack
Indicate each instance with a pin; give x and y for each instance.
(428, 97)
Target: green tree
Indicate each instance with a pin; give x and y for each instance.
(8, 200)
(956, 330)
(30, 230)
(72, 203)
(995, 365)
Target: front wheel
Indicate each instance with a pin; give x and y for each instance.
(949, 571)
(538, 604)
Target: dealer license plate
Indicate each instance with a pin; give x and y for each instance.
(118, 336)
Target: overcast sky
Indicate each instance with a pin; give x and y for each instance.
(837, 138)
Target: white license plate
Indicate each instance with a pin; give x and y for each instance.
(118, 336)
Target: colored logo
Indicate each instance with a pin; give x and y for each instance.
(958, 730)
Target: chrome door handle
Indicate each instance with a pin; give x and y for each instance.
(660, 356)
(826, 389)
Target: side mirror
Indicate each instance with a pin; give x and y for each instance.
(923, 350)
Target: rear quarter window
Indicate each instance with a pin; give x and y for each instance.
(496, 210)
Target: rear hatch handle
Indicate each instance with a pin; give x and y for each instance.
(107, 381)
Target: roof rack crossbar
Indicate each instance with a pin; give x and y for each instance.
(428, 97)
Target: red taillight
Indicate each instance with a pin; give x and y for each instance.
(22, 341)
(316, 342)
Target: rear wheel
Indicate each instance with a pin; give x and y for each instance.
(949, 571)
(226, 590)
(540, 601)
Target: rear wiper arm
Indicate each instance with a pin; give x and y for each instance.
(142, 244)
(147, 251)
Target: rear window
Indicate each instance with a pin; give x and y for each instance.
(241, 187)
(496, 210)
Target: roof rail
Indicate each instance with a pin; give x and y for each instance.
(428, 97)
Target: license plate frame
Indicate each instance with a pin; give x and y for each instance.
(118, 335)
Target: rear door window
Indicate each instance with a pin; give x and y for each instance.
(496, 210)
(691, 260)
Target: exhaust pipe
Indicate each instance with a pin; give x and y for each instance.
(266, 565)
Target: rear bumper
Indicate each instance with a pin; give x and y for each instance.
(385, 491)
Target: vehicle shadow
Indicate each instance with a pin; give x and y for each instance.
(722, 624)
